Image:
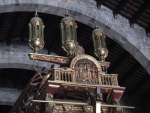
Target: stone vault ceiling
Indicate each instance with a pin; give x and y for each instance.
(131, 74)
(14, 26)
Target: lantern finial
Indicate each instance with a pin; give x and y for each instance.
(36, 15)
(96, 27)
(67, 14)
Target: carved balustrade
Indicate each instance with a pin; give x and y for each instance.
(64, 74)
(109, 79)
(68, 75)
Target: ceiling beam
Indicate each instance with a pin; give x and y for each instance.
(13, 28)
(123, 56)
(54, 42)
(129, 73)
(139, 84)
(99, 3)
(2, 20)
(119, 7)
(139, 13)
(18, 78)
(80, 30)
(148, 30)
(25, 28)
(145, 100)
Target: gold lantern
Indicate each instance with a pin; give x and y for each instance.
(68, 35)
(36, 33)
(100, 49)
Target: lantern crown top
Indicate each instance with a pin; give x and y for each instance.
(67, 17)
(96, 30)
(36, 18)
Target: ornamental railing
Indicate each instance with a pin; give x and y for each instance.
(109, 79)
(69, 75)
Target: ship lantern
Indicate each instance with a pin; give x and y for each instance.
(36, 33)
(68, 34)
(100, 49)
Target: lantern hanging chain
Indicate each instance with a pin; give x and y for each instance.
(36, 68)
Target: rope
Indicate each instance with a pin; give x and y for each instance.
(34, 63)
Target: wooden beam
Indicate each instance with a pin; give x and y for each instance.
(129, 73)
(119, 7)
(139, 85)
(18, 78)
(13, 28)
(148, 30)
(2, 20)
(123, 56)
(54, 42)
(25, 28)
(139, 13)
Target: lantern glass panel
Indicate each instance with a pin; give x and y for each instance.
(37, 31)
(96, 41)
(71, 32)
(101, 41)
(33, 31)
(65, 37)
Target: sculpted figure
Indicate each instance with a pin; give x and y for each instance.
(94, 75)
(84, 72)
(80, 71)
(89, 73)
(77, 73)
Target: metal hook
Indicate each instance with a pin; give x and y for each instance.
(25, 104)
(20, 110)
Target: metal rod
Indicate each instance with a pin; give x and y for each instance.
(81, 103)
(105, 105)
(61, 102)
(53, 86)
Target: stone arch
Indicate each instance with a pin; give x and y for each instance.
(133, 40)
(16, 56)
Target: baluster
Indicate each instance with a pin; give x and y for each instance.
(69, 77)
(99, 80)
(108, 80)
(61, 76)
(64, 76)
(103, 80)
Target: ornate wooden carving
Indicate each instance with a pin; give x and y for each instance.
(50, 58)
(49, 107)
